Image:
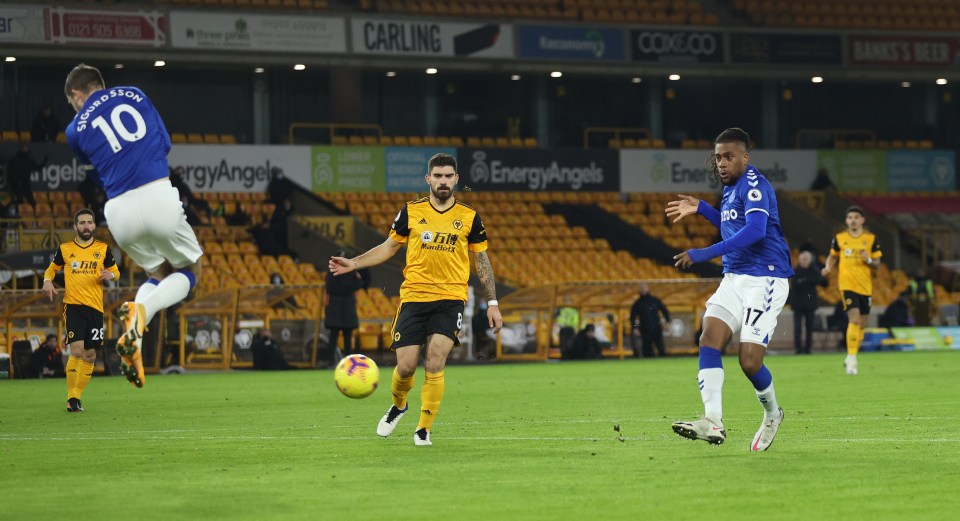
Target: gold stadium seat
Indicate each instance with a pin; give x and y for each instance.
(211, 139)
(195, 138)
(228, 139)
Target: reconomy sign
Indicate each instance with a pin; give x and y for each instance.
(570, 43)
(256, 32)
(496, 169)
(239, 168)
(678, 171)
(429, 38)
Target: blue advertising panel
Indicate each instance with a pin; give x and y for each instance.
(571, 43)
(910, 170)
(407, 166)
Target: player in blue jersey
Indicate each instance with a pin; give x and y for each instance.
(118, 134)
(756, 266)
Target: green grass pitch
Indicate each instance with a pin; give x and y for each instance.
(512, 442)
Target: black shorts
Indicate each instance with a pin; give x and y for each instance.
(417, 320)
(84, 323)
(856, 300)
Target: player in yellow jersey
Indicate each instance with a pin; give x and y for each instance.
(858, 253)
(86, 264)
(439, 233)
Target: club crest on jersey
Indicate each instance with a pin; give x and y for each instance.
(848, 252)
(754, 195)
(75, 265)
(426, 236)
(458, 224)
(96, 255)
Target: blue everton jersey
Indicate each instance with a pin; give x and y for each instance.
(120, 134)
(768, 257)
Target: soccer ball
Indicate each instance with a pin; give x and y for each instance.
(357, 376)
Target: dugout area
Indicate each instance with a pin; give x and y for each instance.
(605, 304)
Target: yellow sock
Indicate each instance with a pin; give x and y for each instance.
(84, 374)
(863, 332)
(854, 336)
(430, 396)
(400, 387)
(73, 375)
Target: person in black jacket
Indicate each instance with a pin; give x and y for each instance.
(47, 360)
(267, 355)
(647, 324)
(585, 345)
(897, 313)
(19, 169)
(340, 315)
(803, 300)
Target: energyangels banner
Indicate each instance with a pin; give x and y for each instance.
(678, 171)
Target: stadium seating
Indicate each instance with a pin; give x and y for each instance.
(864, 14)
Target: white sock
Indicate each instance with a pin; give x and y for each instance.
(172, 289)
(146, 289)
(768, 399)
(711, 390)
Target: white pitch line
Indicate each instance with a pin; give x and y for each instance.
(621, 421)
(457, 438)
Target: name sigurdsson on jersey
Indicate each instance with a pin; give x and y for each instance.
(112, 93)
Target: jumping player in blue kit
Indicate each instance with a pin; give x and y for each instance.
(756, 266)
(119, 135)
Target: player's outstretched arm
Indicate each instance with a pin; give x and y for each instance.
(754, 231)
(485, 274)
(379, 254)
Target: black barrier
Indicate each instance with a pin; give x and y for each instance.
(497, 169)
(791, 49)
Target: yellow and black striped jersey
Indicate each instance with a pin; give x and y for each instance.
(855, 274)
(82, 266)
(438, 246)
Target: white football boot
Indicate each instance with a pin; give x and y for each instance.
(768, 431)
(702, 429)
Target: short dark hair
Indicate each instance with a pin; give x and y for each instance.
(83, 211)
(441, 159)
(84, 78)
(734, 135)
(855, 208)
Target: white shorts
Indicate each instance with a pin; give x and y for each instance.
(749, 305)
(148, 222)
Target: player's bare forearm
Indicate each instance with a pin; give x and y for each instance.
(485, 274)
(376, 255)
(831, 263)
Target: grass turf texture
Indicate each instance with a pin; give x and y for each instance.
(512, 442)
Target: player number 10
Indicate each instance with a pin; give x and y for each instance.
(119, 127)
